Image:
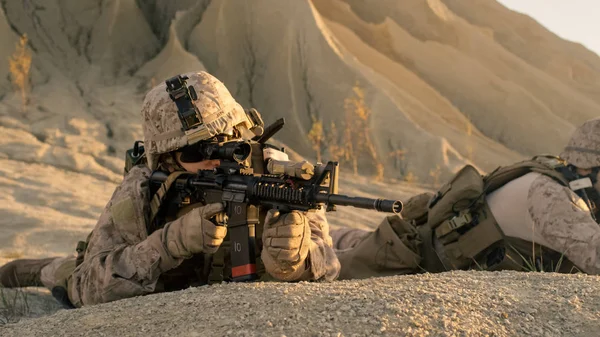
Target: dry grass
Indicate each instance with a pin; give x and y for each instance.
(316, 136)
(533, 264)
(411, 178)
(14, 305)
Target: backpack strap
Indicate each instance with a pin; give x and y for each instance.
(543, 164)
(217, 262)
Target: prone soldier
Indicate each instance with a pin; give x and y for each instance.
(134, 249)
(536, 215)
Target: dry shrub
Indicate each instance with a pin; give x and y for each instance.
(353, 141)
(469, 140)
(357, 132)
(410, 178)
(435, 176)
(316, 137)
(20, 66)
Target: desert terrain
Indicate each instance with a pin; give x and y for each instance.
(434, 84)
(448, 304)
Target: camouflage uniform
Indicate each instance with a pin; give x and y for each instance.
(534, 208)
(125, 259)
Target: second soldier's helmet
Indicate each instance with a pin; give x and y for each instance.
(583, 149)
(190, 108)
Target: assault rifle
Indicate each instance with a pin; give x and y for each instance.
(252, 176)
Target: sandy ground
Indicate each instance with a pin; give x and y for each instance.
(448, 304)
(45, 210)
(19, 304)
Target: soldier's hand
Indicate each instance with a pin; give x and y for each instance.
(286, 243)
(194, 233)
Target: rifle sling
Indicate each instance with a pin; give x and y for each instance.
(161, 193)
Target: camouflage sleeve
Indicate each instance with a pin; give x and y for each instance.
(564, 221)
(345, 238)
(322, 260)
(121, 260)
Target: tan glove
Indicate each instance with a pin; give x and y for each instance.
(193, 233)
(286, 242)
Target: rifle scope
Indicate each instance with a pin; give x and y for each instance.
(232, 151)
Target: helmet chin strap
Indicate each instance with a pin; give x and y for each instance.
(594, 194)
(591, 197)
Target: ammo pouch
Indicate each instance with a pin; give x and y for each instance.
(450, 205)
(462, 240)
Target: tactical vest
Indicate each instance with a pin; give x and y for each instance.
(465, 233)
(201, 269)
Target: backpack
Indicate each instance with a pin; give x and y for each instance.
(464, 232)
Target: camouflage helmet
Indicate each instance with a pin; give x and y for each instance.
(583, 149)
(216, 113)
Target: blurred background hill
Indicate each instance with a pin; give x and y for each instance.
(407, 91)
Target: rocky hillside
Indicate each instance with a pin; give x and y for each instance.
(457, 80)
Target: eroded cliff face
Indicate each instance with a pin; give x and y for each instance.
(446, 83)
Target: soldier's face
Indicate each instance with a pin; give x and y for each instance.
(201, 165)
(590, 172)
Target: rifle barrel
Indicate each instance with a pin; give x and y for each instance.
(381, 205)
